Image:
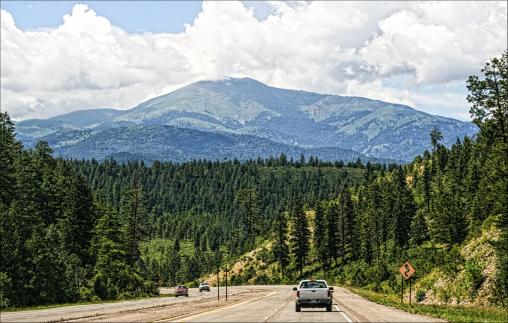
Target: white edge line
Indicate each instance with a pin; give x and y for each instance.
(343, 314)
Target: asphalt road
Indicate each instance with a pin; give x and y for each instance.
(275, 305)
(80, 311)
(278, 306)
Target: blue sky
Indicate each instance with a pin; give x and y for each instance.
(149, 16)
(62, 56)
(132, 16)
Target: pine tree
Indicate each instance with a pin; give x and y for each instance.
(174, 265)
(448, 223)
(9, 150)
(320, 236)
(248, 201)
(111, 270)
(419, 231)
(403, 210)
(47, 281)
(372, 223)
(78, 221)
(435, 137)
(299, 236)
(489, 109)
(280, 248)
(427, 185)
(349, 227)
(16, 229)
(333, 231)
(488, 97)
(134, 223)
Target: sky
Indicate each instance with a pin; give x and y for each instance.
(62, 56)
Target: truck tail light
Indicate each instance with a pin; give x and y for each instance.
(298, 294)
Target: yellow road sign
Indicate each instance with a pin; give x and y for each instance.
(407, 270)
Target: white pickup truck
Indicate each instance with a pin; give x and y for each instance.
(313, 293)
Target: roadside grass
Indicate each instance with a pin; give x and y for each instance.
(450, 313)
(49, 306)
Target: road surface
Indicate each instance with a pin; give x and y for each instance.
(279, 306)
(245, 304)
(95, 310)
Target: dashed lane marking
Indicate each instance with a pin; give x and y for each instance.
(276, 311)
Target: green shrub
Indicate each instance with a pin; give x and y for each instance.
(474, 277)
(356, 273)
(86, 294)
(420, 295)
(377, 273)
(452, 261)
(5, 287)
(444, 295)
(262, 280)
(428, 281)
(264, 255)
(248, 273)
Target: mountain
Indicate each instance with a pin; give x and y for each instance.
(168, 143)
(243, 106)
(74, 120)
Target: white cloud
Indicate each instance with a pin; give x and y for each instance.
(349, 48)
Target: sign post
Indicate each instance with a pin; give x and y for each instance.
(226, 281)
(409, 290)
(402, 290)
(406, 270)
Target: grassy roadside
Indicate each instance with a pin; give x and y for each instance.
(45, 307)
(449, 313)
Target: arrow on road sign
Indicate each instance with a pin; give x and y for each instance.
(407, 270)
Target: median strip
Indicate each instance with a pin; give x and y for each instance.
(192, 316)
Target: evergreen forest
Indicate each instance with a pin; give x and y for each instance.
(82, 230)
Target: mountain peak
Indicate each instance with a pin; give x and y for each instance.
(228, 80)
(245, 106)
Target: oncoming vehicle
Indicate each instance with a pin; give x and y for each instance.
(181, 290)
(313, 293)
(204, 286)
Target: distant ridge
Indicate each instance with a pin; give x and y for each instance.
(243, 106)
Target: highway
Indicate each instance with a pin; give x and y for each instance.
(245, 304)
(96, 310)
(279, 306)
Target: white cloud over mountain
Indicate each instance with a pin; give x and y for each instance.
(413, 53)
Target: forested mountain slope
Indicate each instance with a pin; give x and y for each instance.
(168, 143)
(82, 119)
(83, 230)
(243, 106)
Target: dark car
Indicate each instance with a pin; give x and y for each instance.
(181, 290)
(204, 287)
